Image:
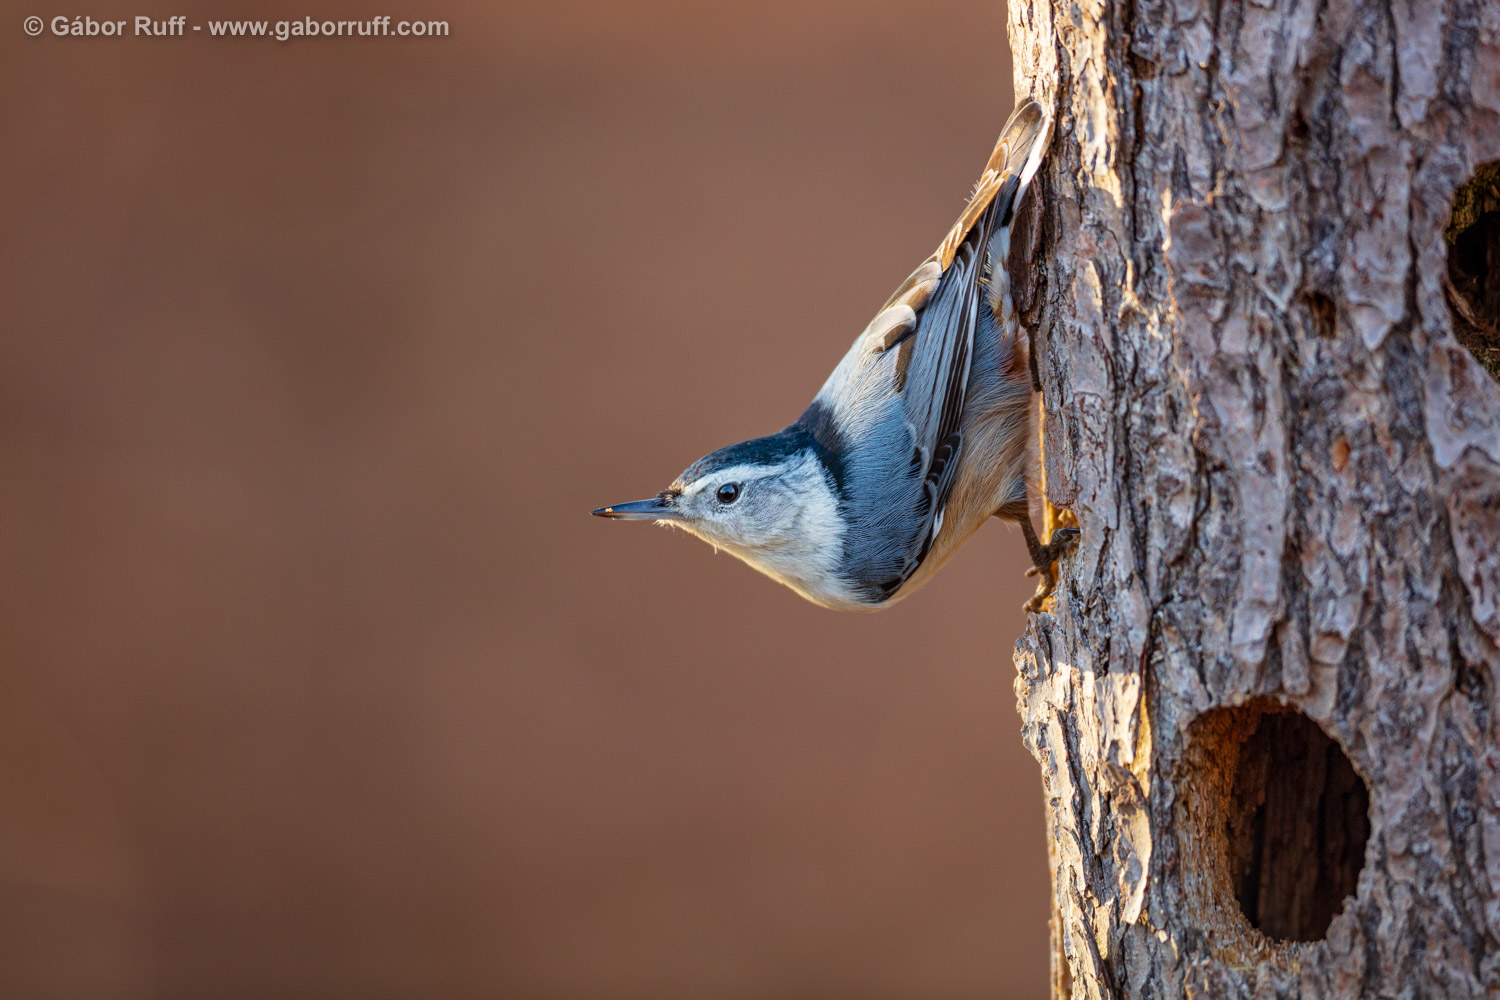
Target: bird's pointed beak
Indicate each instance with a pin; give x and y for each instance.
(655, 509)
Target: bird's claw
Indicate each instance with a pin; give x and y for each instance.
(1043, 591)
(1062, 543)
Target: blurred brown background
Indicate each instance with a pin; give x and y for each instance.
(318, 680)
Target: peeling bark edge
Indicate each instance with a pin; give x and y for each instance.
(1286, 470)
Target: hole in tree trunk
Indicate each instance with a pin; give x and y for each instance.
(1473, 279)
(1296, 830)
(1274, 821)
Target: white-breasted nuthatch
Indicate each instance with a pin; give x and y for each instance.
(922, 432)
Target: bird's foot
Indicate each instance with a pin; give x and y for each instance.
(1062, 543)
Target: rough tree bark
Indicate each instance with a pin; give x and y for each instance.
(1287, 472)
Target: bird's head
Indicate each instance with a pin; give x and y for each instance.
(770, 501)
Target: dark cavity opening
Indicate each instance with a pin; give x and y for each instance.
(1473, 285)
(1297, 821)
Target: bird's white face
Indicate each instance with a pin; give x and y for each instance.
(754, 507)
(773, 506)
(783, 519)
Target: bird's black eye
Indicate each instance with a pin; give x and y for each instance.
(728, 493)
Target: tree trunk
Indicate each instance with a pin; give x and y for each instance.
(1264, 700)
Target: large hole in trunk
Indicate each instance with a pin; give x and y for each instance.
(1296, 828)
(1273, 821)
(1473, 285)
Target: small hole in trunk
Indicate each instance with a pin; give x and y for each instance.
(1473, 278)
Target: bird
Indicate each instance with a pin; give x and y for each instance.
(922, 432)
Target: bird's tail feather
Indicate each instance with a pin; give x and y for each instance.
(1011, 166)
(1017, 156)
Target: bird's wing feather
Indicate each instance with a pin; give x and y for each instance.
(929, 324)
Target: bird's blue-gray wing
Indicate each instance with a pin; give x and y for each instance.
(898, 396)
